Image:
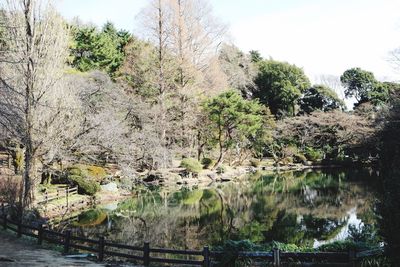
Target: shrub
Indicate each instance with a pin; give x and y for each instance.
(221, 169)
(88, 171)
(207, 162)
(287, 160)
(299, 158)
(338, 246)
(85, 185)
(254, 163)
(313, 154)
(191, 165)
(96, 172)
(231, 251)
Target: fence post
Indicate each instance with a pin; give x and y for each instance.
(19, 228)
(40, 234)
(67, 240)
(66, 197)
(146, 254)
(101, 248)
(4, 221)
(277, 260)
(206, 254)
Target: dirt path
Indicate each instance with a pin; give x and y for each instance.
(15, 252)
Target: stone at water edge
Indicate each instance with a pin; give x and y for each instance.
(110, 187)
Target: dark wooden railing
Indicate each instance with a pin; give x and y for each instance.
(147, 255)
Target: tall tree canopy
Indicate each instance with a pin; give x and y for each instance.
(363, 86)
(234, 120)
(94, 49)
(320, 97)
(280, 85)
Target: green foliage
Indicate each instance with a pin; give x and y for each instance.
(364, 87)
(338, 246)
(88, 171)
(313, 154)
(206, 162)
(93, 49)
(96, 172)
(380, 94)
(85, 185)
(231, 251)
(255, 56)
(91, 218)
(320, 97)
(234, 121)
(366, 233)
(221, 169)
(191, 165)
(18, 159)
(376, 261)
(280, 86)
(86, 177)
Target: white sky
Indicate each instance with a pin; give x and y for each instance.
(321, 36)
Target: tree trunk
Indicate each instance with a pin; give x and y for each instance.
(27, 142)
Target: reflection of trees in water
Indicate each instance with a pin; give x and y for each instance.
(264, 208)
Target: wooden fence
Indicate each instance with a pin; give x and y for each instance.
(60, 193)
(147, 255)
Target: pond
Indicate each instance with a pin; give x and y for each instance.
(309, 207)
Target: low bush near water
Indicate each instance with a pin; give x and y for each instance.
(191, 165)
(85, 185)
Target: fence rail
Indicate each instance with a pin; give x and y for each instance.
(61, 192)
(145, 254)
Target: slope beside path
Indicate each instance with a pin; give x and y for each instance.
(19, 252)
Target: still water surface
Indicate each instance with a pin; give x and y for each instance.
(303, 207)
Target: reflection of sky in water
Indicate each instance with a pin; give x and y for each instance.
(344, 232)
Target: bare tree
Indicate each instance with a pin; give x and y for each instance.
(34, 109)
(195, 35)
(394, 58)
(238, 68)
(333, 82)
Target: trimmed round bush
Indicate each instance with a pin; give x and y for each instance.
(191, 165)
(85, 185)
(90, 171)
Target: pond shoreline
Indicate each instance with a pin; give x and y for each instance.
(171, 177)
